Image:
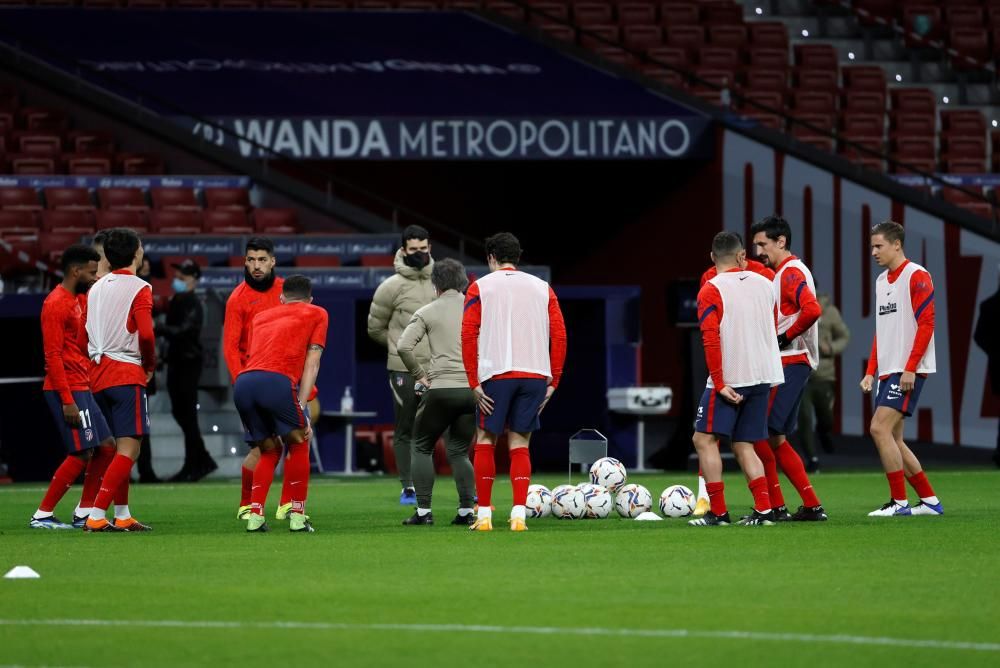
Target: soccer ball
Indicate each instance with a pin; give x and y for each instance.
(609, 473)
(539, 503)
(596, 501)
(633, 500)
(677, 501)
(567, 503)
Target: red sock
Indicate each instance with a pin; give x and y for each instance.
(922, 485)
(897, 485)
(792, 466)
(96, 468)
(761, 499)
(520, 474)
(717, 497)
(766, 455)
(263, 476)
(62, 480)
(121, 494)
(485, 470)
(247, 486)
(286, 489)
(114, 477)
(297, 476)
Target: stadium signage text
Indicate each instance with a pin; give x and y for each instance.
(459, 138)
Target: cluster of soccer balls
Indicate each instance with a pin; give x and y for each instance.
(594, 500)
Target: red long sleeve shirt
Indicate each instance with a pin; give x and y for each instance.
(67, 368)
(796, 296)
(112, 373)
(922, 301)
(472, 320)
(242, 306)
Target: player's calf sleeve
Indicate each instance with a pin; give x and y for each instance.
(263, 476)
(96, 468)
(766, 455)
(62, 480)
(717, 497)
(793, 467)
(117, 473)
(520, 474)
(247, 486)
(297, 476)
(485, 469)
(761, 499)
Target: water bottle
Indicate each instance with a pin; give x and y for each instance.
(347, 401)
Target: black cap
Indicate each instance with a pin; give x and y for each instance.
(188, 268)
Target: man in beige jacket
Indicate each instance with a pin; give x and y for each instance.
(447, 402)
(394, 303)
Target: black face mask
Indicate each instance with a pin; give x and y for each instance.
(417, 260)
(262, 285)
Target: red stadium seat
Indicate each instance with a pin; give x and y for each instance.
(18, 222)
(773, 121)
(215, 219)
(727, 35)
(21, 197)
(26, 165)
(914, 124)
(377, 260)
(965, 122)
(641, 38)
(761, 79)
(592, 13)
(971, 43)
(317, 261)
(754, 100)
(816, 57)
(559, 31)
(679, 14)
(670, 55)
(814, 101)
(175, 222)
(265, 220)
(768, 57)
(597, 36)
(914, 166)
(685, 36)
(31, 142)
(719, 56)
(825, 80)
(964, 166)
(88, 164)
(542, 12)
(90, 141)
(862, 124)
(664, 76)
(132, 218)
(914, 147)
(717, 78)
(52, 220)
(174, 199)
(866, 101)
(864, 77)
(615, 54)
(768, 34)
(920, 100)
(963, 16)
(67, 198)
(40, 119)
(957, 147)
(52, 245)
(921, 23)
(722, 13)
(815, 122)
(122, 198)
(139, 164)
(636, 13)
(227, 198)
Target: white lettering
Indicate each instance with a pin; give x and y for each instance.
(544, 133)
(415, 143)
(345, 138)
(491, 145)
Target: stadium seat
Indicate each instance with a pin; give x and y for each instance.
(615, 54)
(959, 146)
(559, 31)
(965, 122)
(51, 246)
(174, 199)
(170, 221)
(670, 55)
(686, 37)
(727, 35)
(636, 13)
(32, 142)
(913, 124)
(679, 14)
(813, 101)
(122, 198)
(20, 197)
(818, 120)
(40, 119)
(317, 261)
(716, 78)
(139, 164)
(963, 16)
(29, 165)
(922, 22)
(768, 57)
(215, 219)
(592, 13)
(52, 220)
(641, 38)
(768, 101)
(722, 13)
(919, 100)
(12, 262)
(267, 220)
(971, 43)
(541, 12)
(914, 166)
(90, 141)
(134, 219)
(816, 57)
(825, 80)
(862, 124)
(864, 77)
(377, 260)
(761, 79)
(914, 147)
(964, 166)
(773, 121)
(227, 198)
(664, 76)
(88, 164)
(768, 34)
(719, 57)
(67, 198)
(864, 101)
(18, 222)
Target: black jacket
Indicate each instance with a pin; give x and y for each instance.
(987, 336)
(183, 328)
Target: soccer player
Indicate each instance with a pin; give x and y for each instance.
(394, 303)
(513, 349)
(736, 313)
(447, 402)
(284, 349)
(259, 291)
(118, 335)
(798, 339)
(902, 355)
(67, 386)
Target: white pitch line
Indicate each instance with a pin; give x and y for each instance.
(839, 639)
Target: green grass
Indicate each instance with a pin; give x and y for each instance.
(920, 578)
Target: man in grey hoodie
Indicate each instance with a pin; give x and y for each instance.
(394, 303)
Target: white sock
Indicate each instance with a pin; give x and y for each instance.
(41, 515)
(485, 512)
(465, 512)
(78, 511)
(423, 511)
(904, 502)
(702, 488)
(122, 513)
(518, 513)
(97, 514)
(930, 500)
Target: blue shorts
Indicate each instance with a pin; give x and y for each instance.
(516, 402)
(93, 429)
(126, 410)
(890, 395)
(783, 413)
(268, 404)
(745, 421)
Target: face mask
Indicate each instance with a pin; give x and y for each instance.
(179, 285)
(417, 260)
(263, 285)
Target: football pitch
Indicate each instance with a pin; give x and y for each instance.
(365, 591)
